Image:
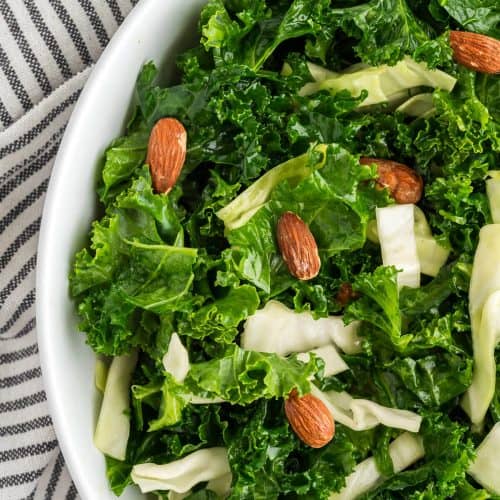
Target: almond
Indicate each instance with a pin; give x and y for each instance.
(166, 153)
(346, 294)
(477, 52)
(309, 419)
(298, 246)
(404, 184)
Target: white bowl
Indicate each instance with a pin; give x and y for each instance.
(158, 30)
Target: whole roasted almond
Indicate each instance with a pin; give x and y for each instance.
(404, 184)
(298, 246)
(310, 419)
(477, 52)
(166, 153)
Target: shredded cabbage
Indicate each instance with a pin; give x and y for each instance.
(493, 192)
(113, 424)
(101, 372)
(420, 106)
(384, 83)
(319, 73)
(176, 359)
(221, 486)
(395, 225)
(362, 414)
(181, 475)
(485, 468)
(405, 450)
(484, 339)
(431, 255)
(244, 206)
(281, 330)
(334, 363)
(484, 304)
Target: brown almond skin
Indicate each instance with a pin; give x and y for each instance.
(477, 52)
(298, 246)
(309, 419)
(346, 294)
(404, 184)
(166, 153)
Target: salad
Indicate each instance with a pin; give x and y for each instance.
(293, 289)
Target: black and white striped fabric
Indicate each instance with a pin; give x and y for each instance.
(47, 48)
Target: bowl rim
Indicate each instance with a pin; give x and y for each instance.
(143, 10)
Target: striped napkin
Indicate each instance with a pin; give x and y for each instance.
(47, 48)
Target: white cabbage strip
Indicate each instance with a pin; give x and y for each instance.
(101, 372)
(484, 304)
(113, 425)
(281, 330)
(405, 450)
(493, 192)
(431, 255)
(198, 400)
(484, 339)
(363, 414)
(486, 466)
(176, 359)
(221, 486)
(384, 83)
(319, 73)
(245, 205)
(420, 105)
(176, 362)
(333, 361)
(181, 475)
(395, 228)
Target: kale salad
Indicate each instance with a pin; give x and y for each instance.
(293, 288)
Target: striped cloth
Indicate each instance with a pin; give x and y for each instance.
(47, 48)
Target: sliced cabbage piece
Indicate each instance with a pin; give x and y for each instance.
(101, 372)
(395, 228)
(404, 451)
(484, 303)
(319, 73)
(372, 231)
(221, 486)
(173, 495)
(493, 192)
(334, 363)
(176, 359)
(363, 414)
(484, 340)
(176, 362)
(181, 475)
(485, 468)
(286, 70)
(384, 83)
(281, 330)
(198, 400)
(485, 278)
(113, 425)
(245, 205)
(419, 106)
(431, 255)
(421, 226)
